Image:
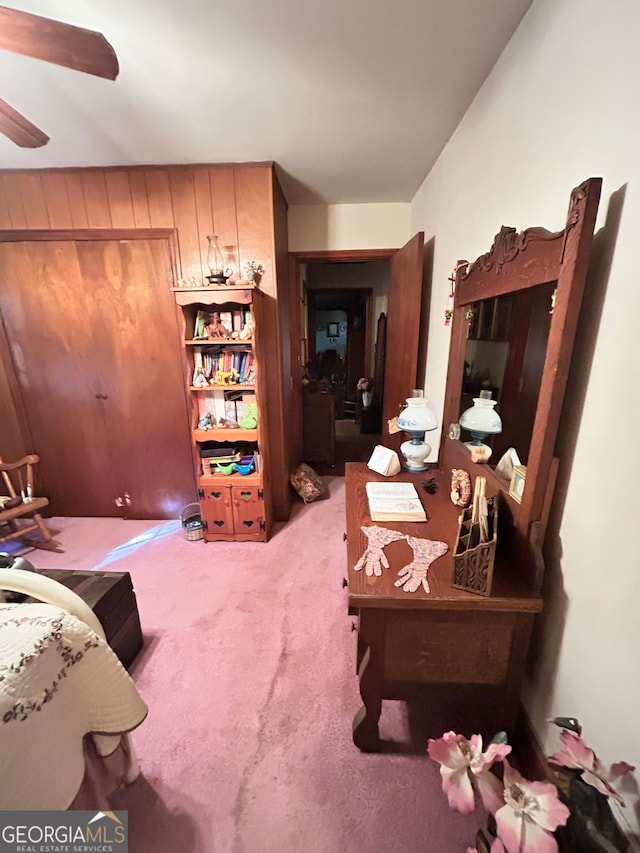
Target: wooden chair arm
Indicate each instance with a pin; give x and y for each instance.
(31, 459)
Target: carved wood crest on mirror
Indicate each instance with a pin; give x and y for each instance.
(515, 316)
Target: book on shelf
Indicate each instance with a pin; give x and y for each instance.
(394, 502)
(202, 318)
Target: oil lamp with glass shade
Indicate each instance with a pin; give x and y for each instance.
(416, 419)
(217, 272)
(481, 420)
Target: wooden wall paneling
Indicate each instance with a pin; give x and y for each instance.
(254, 214)
(159, 198)
(15, 441)
(12, 191)
(95, 198)
(289, 323)
(238, 205)
(75, 192)
(204, 215)
(33, 201)
(56, 197)
(225, 223)
(183, 199)
(254, 210)
(139, 198)
(5, 217)
(120, 201)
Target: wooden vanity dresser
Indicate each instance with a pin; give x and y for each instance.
(409, 640)
(477, 645)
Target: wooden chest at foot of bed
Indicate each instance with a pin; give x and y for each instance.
(111, 597)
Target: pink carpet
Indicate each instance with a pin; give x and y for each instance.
(249, 672)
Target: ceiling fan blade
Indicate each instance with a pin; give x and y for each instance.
(19, 129)
(54, 41)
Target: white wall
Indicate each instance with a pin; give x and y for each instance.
(348, 226)
(563, 104)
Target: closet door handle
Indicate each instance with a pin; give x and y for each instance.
(101, 397)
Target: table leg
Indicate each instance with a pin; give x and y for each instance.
(366, 735)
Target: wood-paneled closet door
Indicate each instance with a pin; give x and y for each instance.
(93, 334)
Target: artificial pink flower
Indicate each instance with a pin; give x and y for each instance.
(576, 754)
(531, 812)
(461, 760)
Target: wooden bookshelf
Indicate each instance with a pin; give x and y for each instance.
(233, 506)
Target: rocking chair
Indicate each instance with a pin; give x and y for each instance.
(19, 501)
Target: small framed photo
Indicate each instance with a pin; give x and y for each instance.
(333, 330)
(516, 489)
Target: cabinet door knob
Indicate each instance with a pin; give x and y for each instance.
(344, 537)
(354, 627)
(345, 582)
(118, 501)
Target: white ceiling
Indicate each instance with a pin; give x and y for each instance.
(354, 99)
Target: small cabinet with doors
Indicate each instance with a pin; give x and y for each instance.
(221, 335)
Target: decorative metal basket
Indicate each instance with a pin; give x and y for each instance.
(192, 522)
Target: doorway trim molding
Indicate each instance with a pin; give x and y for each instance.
(338, 256)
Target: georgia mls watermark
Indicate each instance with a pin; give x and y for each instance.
(63, 832)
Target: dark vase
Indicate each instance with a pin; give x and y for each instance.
(591, 828)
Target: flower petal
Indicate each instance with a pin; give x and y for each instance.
(457, 786)
(551, 812)
(521, 835)
(573, 752)
(601, 785)
(475, 742)
(621, 768)
(509, 827)
(446, 750)
(491, 791)
(495, 752)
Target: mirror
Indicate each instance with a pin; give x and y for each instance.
(516, 347)
(504, 355)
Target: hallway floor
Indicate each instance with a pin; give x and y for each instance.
(351, 446)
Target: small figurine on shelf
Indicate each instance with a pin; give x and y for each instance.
(200, 378)
(206, 421)
(253, 271)
(247, 330)
(192, 282)
(215, 329)
(226, 377)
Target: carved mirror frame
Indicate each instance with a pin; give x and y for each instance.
(517, 261)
